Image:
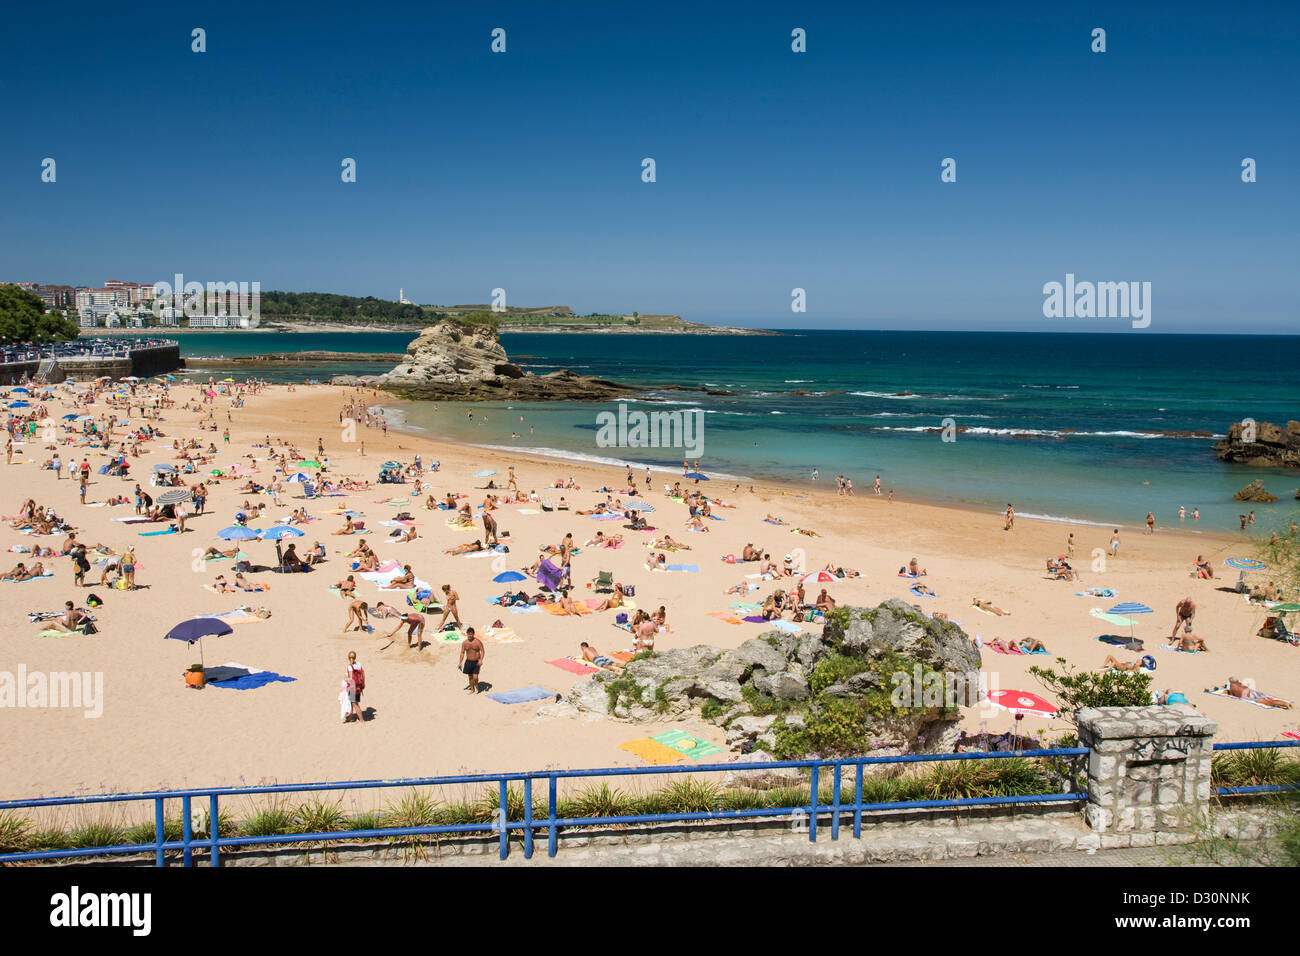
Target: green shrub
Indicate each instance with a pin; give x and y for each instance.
(834, 670)
(15, 832)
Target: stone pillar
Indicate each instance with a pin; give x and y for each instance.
(1148, 773)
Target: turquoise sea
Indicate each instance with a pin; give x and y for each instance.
(1063, 426)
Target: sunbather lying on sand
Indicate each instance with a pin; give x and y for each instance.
(1111, 664)
(989, 606)
(24, 573)
(476, 545)
(668, 544)
(774, 519)
(347, 585)
(1189, 643)
(923, 589)
(840, 572)
(217, 553)
(222, 586)
(613, 601)
(1236, 688)
(593, 656)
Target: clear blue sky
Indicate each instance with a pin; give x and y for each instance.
(775, 170)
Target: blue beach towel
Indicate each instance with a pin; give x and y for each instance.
(522, 695)
(693, 568)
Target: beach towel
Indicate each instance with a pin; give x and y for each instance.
(755, 619)
(525, 609)
(47, 574)
(652, 751)
(233, 676)
(448, 637)
(549, 576)
(690, 568)
(574, 666)
(1096, 593)
(504, 635)
(788, 626)
(724, 616)
(907, 574)
(1114, 639)
(556, 611)
(522, 695)
(154, 534)
(623, 656)
(920, 593)
(1291, 734)
(685, 744)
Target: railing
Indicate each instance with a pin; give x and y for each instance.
(810, 812)
(1256, 745)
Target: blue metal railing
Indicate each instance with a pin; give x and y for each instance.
(1256, 745)
(809, 812)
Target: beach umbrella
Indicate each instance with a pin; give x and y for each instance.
(695, 475)
(174, 496)
(69, 418)
(19, 389)
(1020, 703)
(642, 506)
(20, 404)
(1125, 608)
(505, 576)
(281, 531)
(1284, 608)
(237, 532)
(164, 468)
(1245, 564)
(818, 577)
(485, 473)
(196, 629)
(299, 479)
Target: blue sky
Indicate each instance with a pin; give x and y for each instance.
(775, 170)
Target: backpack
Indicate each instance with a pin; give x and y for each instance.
(358, 677)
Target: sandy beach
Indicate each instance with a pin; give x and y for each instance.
(157, 732)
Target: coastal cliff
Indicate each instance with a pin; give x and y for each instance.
(455, 361)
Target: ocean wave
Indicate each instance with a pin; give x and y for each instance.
(564, 454)
(1063, 520)
(909, 396)
(1042, 432)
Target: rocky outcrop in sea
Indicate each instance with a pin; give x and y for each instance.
(1261, 444)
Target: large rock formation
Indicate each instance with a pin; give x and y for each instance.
(1272, 445)
(834, 692)
(451, 361)
(1254, 492)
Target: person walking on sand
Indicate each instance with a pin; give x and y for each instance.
(1114, 543)
(128, 568)
(877, 484)
(470, 662)
(1011, 518)
(449, 599)
(354, 683)
(1069, 544)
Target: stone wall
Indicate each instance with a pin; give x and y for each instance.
(1149, 769)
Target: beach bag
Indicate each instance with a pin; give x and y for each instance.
(629, 590)
(620, 619)
(359, 677)
(94, 600)
(89, 628)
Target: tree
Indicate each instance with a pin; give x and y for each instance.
(23, 319)
(1282, 555)
(1077, 689)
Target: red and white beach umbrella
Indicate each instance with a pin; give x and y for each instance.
(1022, 702)
(818, 577)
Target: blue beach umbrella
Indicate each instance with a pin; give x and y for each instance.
(237, 533)
(69, 418)
(20, 389)
(281, 531)
(696, 476)
(1245, 564)
(164, 468)
(20, 404)
(298, 478)
(196, 629)
(505, 576)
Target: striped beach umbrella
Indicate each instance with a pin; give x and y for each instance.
(1126, 608)
(818, 577)
(644, 507)
(174, 496)
(299, 479)
(1246, 564)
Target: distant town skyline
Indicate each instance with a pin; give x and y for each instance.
(780, 177)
